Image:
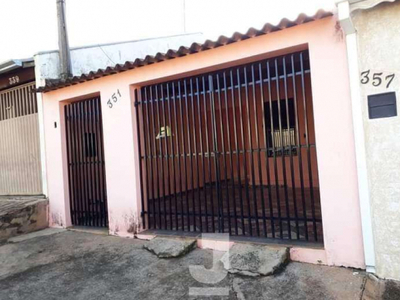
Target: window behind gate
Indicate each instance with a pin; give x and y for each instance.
(280, 126)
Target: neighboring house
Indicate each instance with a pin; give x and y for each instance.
(250, 135)
(372, 28)
(20, 156)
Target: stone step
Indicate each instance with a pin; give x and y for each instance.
(255, 260)
(170, 247)
(22, 215)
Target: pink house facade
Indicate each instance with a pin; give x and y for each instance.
(313, 43)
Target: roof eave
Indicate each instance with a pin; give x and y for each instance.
(13, 64)
(365, 4)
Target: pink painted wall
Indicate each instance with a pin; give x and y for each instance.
(333, 132)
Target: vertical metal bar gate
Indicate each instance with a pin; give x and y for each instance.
(232, 151)
(20, 164)
(86, 165)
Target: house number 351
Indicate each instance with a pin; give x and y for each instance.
(376, 79)
(114, 99)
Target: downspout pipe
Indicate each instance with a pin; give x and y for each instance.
(63, 45)
(345, 20)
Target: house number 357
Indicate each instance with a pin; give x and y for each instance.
(376, 79)
(114, 99)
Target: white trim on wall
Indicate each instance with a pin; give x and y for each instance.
(359, 137)
(39, 98)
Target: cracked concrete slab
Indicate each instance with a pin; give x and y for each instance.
(302, 281)
(255, 260)
(76, 265)
(376, 288)
(170, 247)
(391, 290)
(373, 288)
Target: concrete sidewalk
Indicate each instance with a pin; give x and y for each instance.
(76, 265)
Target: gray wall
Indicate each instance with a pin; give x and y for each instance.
(379, 51)
(92, 58)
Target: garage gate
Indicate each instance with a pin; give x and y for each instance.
(232, 151)
(20, 162)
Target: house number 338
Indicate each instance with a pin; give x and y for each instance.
(114, 99)
(13, 80)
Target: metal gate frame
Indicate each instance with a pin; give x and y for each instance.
(86, 165)
(160, 206)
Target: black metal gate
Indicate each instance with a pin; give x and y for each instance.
(232, 151)
(86, 170)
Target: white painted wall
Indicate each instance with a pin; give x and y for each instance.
(378, 44)
(92, 58)
(359, 135)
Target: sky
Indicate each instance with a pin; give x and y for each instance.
(30, 26)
